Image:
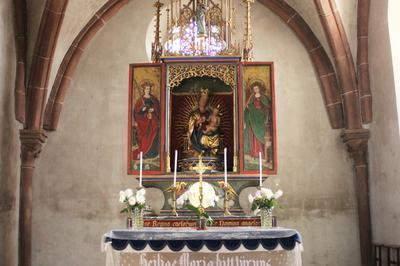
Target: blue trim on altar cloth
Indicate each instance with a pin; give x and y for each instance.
(213, 239)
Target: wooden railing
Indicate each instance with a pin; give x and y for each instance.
(385, 255)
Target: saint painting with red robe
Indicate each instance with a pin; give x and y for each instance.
(146, 123)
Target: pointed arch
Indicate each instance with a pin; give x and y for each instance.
(321, 61)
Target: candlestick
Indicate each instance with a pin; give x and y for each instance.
(260, 162)
(175, 166)
(174, 212)
(201, 209)
(141, 169)
(226, 201)
(230, 194)
(225, 167)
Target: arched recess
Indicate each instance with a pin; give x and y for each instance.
(322, 63)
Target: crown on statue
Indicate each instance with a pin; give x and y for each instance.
(204, 92)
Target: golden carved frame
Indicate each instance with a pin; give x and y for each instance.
(227, 72)
(178, 72)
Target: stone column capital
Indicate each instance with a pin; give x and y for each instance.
(357, 144)
(32, 141)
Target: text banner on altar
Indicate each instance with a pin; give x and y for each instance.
(256, 258)
(153, 222)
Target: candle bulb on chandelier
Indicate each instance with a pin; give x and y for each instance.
(260, 169)
(175, 166)
(141, 169)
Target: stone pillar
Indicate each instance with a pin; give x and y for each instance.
(357, 144)
(31, 145)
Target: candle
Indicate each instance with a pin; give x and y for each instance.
(141, 169)
(175, 166)
(260, 169)
(225, 168)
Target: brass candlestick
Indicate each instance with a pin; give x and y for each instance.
(174, 212)
(175, 190)
(226, 203)
(230, 194)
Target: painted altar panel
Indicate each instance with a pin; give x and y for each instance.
(257, 118)
(146, 118)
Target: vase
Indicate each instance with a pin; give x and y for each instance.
(266, 218)
(129, 222)
(202, 224)
(138, 218)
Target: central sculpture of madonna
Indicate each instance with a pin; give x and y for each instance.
(203, 128)
(203, 134)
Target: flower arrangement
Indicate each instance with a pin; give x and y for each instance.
(264, 199)
(133, 201)
(192, 198)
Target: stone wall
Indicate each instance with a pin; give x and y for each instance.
(384, 152)
(83, 165)
(9, 143)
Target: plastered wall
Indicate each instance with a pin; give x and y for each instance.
(384, 153)
(83, 165)
(9, 144)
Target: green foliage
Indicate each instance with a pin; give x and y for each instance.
(264, 203)
(200, 214)
(131, 209)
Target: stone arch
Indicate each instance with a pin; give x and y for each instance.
(322, 64)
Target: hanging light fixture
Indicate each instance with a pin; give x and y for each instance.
(200, 28)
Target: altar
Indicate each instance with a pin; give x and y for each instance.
(215, 246)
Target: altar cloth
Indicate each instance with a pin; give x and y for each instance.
(213, 238)
(215, 246)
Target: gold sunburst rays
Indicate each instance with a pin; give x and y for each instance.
(179, 122)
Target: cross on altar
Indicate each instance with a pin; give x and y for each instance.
(200, 169)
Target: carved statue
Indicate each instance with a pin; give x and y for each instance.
(201, 19)
(203, 127)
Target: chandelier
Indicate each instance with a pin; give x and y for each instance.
(200, 28)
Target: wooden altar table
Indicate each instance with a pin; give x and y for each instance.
(215, 246)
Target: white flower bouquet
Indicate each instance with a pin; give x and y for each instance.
(133, 201)
(264, 199)
(191, 199)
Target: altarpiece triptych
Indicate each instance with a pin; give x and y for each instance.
(200, 107)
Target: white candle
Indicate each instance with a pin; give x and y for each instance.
(260, 170)
(225, 168)
(175, 166)
(141, 169)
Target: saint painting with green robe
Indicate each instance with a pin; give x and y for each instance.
(256, 114)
